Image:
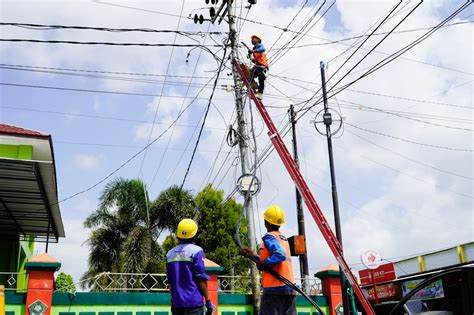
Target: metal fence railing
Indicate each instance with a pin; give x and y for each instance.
(14, 281)
(146, 282)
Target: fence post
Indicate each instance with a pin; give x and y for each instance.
(331, 286)
(2, 300)
(40, 283)
(213, 269)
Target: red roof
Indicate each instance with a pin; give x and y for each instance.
(18, 131)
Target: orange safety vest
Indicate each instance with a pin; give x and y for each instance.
(284, 268)
(261, 58)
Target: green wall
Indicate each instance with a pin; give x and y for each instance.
(16, 253)
(116, 303)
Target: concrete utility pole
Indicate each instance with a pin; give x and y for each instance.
(327, 119)
(244, 153)
(304, 270)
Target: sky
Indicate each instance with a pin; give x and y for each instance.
(403, 158)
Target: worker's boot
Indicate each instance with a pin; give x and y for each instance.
(259, 95)
(254, 86)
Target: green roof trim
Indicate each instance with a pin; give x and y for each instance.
(327, 274)
(43, 265)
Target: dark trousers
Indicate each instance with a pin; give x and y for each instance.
(276, 304)
(259, 72)
(188, 311)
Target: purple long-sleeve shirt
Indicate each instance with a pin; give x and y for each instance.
(184, 267)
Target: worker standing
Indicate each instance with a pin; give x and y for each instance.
(186, 274)
(259, 58)
(277, 298)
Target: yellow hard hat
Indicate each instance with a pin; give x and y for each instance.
(187, 229)
(260, 37)
(274, 215)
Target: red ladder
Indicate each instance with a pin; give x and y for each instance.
(306, 193)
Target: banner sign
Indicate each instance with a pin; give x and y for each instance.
(383, 273)
(434, 290)
(383, 291)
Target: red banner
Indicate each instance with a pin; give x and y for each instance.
(383, 291)
(381, 274)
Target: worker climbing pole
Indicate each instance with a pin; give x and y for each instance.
(308, 197)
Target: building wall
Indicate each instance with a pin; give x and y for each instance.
(93, 303)
(17, 252)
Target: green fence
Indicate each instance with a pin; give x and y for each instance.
(117, 303)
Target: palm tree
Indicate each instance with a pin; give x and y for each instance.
(126, 226)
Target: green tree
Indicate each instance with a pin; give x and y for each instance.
(217, 227)
(64, 283)
(126, 226)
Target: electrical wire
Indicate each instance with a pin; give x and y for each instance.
(90, 90)
(70, 114)
(106, 29)
(409, 158)
(409, 141)
(15, 66)
(204, 120)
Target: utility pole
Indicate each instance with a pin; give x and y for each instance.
(304, 271)
(244, 153)
(327, 119)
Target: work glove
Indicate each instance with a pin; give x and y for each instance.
(209, 308)
(250, 52)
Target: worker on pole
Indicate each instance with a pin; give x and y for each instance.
(278, 298)
(259, 58)
(186, 274)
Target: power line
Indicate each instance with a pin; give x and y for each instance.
(390, 58)
(376, 51)
(409, 141)
(410, 159)
(8, 66)
(71, 42)
(91, 91)
(106, 29)
(125, 146)
(140, 9)
(203, 120)
(293, 80)
(99, 117)
(414, 119)
(104, 77)
(159, 99)
(418, 29)
(422, 180)
(297, 40)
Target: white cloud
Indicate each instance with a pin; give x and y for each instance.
(87, 161)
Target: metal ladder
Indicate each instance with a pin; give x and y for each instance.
(306, 193)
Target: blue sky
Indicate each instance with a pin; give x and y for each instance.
(375, 186)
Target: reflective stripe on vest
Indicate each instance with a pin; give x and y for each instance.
(260, 58)
(284, 268)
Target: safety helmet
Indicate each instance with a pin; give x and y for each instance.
(259, 37)
(274, 215)
(187, 229)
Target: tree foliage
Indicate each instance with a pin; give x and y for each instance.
(64, 283)
(126, 225)
(217, 228)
